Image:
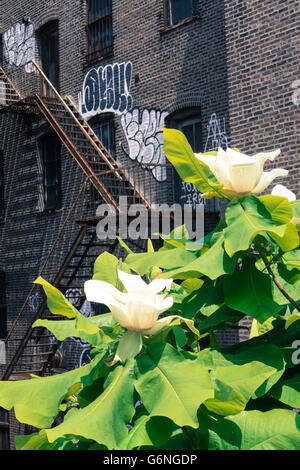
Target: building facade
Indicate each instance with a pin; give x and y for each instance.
(223, 72)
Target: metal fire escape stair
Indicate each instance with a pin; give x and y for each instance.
(35, 352)
(37, 348)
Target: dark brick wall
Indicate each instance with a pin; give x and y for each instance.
(179, 67)
(263, 62)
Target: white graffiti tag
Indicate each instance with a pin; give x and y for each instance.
(144, 135)
(216, 134)
(19, 45)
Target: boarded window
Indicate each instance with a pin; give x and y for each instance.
(181, 9)
(99, 29)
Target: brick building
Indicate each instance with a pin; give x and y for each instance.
(225, 73)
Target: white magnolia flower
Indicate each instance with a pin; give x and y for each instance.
(240, 173)
(280, 190)
(139, 308)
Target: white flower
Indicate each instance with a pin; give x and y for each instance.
(240, 173)
(139, 308)
(280, 190)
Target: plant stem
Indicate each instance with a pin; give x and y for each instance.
(190, 437)
(277, 283)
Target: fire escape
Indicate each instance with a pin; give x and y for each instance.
(35, 351)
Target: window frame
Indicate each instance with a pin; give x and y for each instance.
(2, 186)
(58, 185)
(169, 13)
(3, 306)
(101, 120)
(101, 52)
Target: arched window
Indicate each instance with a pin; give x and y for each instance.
(104, 127)
(49, 53)
(189, 122)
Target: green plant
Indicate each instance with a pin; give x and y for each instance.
(162, 390)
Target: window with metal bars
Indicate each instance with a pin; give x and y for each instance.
(178, 10)
(99, 29)
(2, 199)
(49, 150)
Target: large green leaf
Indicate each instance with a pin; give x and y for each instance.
(237, 377)
(105, 419)
(35, 441)
(179, 152)
(213, 263)
(250, 291)
(256, 430)
(56, 301)
(63, 329)
(279, 208)
(287, 391)
(170, 385)
(147, 430)
(36, 401)
(247, 218)
(142, 263)
(106, 269)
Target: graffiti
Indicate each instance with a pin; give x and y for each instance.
(190, 195)
(144, 135)
(216, 137)
(106, 89)
(19, 45)
(34, 302)
(216, 134)
(85, 357)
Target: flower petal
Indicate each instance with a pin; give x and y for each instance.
(244, 176)
(221, 168)
(158, 285)
(264, 156)
(131, 282)
(280, 190)
(103, 293)
(208, 160)
(267, 178)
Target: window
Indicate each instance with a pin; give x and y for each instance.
(178, 10)
(3, 310)
(49, 51)
(99, 29)
(105, 130)
(189, 122)
(49, 151)
(2, 200)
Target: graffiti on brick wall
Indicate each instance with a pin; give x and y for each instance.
(34, 302)
(106, 89)
(216, 134)
(144, 135)
(216, 137)
(73, 295)
(19, 45)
